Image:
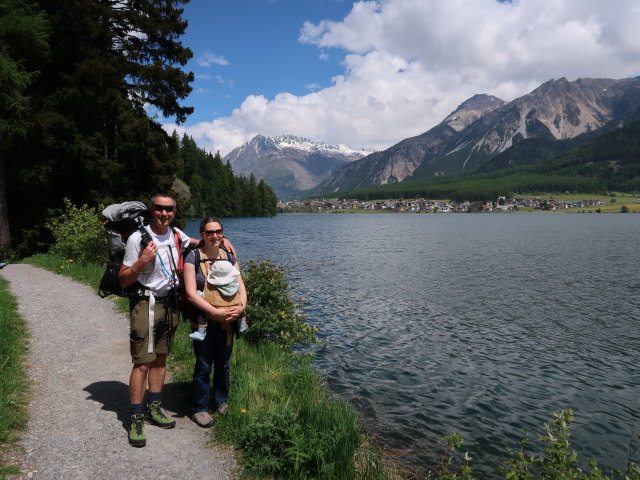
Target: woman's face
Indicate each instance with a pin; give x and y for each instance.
(212, 234)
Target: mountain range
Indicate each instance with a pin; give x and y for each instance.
(482, 134)
(484, 128)
(288, 163)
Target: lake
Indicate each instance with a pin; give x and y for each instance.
(481, 324)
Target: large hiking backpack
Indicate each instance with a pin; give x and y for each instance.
(120, 221)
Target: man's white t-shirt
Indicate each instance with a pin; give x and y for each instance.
(158, 273)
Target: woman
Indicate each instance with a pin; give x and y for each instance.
(215, 348)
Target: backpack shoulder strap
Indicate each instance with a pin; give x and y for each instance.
(177, 239)
(201, 259)
(229, 256)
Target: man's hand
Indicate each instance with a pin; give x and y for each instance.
(229, 247)
(148, 253)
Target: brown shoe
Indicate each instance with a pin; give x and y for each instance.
(222, 408)
(202, 419)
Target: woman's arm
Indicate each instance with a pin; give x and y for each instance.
(243, 291)
(235, 312)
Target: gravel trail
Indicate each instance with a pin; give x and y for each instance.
(78, 366)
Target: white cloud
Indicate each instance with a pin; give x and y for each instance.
(222, 80)
(208, 59)
(408, 63)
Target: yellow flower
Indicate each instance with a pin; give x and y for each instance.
(244, 410)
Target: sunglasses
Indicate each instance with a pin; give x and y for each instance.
(212, 232)
(160, 208)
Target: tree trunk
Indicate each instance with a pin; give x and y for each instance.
(5, 233)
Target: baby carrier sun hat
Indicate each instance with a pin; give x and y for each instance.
(222, 272)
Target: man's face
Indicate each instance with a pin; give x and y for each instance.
(163, 210)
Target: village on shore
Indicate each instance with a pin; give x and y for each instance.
(502, 204)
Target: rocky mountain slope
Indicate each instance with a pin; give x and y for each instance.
(401, 160)
(485, 126)
(289, 163)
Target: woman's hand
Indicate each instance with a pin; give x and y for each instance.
(217, 314)
(234, 313)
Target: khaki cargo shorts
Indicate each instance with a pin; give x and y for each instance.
(165, 325)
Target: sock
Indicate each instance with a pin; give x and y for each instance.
(154, 397)
(136, 408)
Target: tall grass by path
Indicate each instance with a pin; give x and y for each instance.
(13, 383)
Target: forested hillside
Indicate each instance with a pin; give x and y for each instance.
(609, 162)
(82, 83)
(215, 190)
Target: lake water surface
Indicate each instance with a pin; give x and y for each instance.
(481, 324)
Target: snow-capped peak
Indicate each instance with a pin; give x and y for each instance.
(304, 144)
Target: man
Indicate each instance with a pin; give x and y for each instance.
(153, 319)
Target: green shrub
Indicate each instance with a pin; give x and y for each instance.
(79, 234)
(557, 462)
(272, 315)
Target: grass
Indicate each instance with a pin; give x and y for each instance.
(13, 383)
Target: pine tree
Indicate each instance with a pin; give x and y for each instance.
(92, 140)
(23, 51)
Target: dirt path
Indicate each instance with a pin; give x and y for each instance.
(79, 367)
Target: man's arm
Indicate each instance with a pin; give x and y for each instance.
(229, 247)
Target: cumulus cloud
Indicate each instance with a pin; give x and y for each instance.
(409, 63)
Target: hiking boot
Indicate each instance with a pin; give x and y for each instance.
(223, 408)
(157, 417)
(202, 419)
(136, 431)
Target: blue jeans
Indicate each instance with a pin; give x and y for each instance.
(212, 351)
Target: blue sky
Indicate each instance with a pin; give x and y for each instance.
(371, 73)
(244, 47)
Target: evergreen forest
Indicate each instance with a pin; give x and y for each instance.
(82, 84)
